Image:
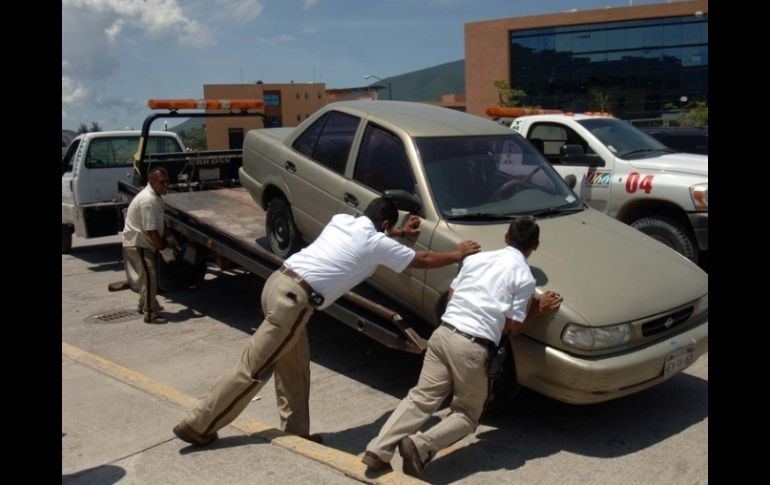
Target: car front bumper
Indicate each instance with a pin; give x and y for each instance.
(578, 379)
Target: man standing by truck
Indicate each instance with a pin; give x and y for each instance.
(143, 235)
(347, 251)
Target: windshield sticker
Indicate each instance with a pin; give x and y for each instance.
(570, 198)
(612, 149)
(458, 212)
(598, 178)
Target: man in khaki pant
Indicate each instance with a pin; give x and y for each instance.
(347, 251)
(487, 300)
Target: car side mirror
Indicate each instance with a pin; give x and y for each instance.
(573, 154)
(571, 180)
(404, 200)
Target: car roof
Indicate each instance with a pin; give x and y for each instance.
(420, 119)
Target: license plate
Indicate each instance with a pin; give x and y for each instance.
(678, 360)
(208, 173)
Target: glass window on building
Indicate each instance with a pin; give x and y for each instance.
(637, 66)
(272, 98)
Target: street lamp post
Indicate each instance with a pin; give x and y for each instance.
(390, 92)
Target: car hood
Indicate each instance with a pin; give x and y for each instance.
(606, 271)
(675, 162)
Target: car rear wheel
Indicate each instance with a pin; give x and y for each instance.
(282, 234)
(671, 233)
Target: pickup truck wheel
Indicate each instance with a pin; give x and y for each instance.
(671, 233)
(282, 234)
(66, 239)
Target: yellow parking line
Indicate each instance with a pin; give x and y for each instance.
(345, 462)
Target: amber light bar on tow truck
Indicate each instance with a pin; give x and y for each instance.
(515, 112)
(177, 104)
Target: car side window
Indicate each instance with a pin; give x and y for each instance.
(382, 162)
(329, 139)
(549, 138)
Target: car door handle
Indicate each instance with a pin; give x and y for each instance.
(351, 199)
(290, 166)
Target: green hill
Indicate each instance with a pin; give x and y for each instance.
(426, 84)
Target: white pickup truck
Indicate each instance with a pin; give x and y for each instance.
(92, 166)
(623, 172)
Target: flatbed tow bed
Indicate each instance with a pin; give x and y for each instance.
(228, 223)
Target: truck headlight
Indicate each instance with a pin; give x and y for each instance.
(700, 197)
(596, 338)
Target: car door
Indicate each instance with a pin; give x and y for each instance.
(67, 182)
(381, 163)
(314, 174)
(592, 179)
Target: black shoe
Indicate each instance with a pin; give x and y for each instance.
(413, 465)
(374, 462)
(155, 320)
(315, 438)
(184, 432)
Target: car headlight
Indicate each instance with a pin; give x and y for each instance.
(596, 338)
(700, 197)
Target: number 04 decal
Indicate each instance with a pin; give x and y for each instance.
(632, 183)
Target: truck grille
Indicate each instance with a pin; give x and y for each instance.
(666, 322)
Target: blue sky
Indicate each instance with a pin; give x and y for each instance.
(116, 54)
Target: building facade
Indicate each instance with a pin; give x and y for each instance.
(635, 62)
(285, 105)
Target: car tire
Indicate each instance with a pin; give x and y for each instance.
(66, 239)
(282, 234)
(671, 233)
(505, 388)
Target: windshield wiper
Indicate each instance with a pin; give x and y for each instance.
(642, 150)
(551, 211)
(479, 216)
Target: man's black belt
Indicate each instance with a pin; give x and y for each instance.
(315, 298)
(491, 346)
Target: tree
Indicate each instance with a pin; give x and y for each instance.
(506, 95)
(601, 100)
(95, 126)
(695, 114)
(194, 138)
(85, 129)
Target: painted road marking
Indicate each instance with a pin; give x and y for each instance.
(346, 463)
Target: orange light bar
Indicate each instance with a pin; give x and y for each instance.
(175, 104)
(499, 111)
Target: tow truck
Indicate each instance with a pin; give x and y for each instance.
(215, 221)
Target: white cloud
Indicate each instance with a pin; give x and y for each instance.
(309, 3)
(72, 92)
(114, 30)
(155, 17)
(241, 10)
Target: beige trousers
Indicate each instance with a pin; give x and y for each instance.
(279, 345)
(144, 260)
(452, 364)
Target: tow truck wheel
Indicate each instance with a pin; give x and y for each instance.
(671, 233)
(282, 234)
(66, 239)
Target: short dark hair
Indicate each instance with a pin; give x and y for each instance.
(380, 210)
(159, 170)
(523, 233)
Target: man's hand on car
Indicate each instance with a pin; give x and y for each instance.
(468, 247)
(411, 227)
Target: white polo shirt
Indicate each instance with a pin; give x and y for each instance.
(347, 252)
(491, 286)
(145, 213)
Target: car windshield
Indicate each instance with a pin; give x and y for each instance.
(623, 139)
(489, 178)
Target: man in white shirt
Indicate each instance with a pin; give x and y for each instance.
(347, 251)
(143, 234)
(487, 300)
